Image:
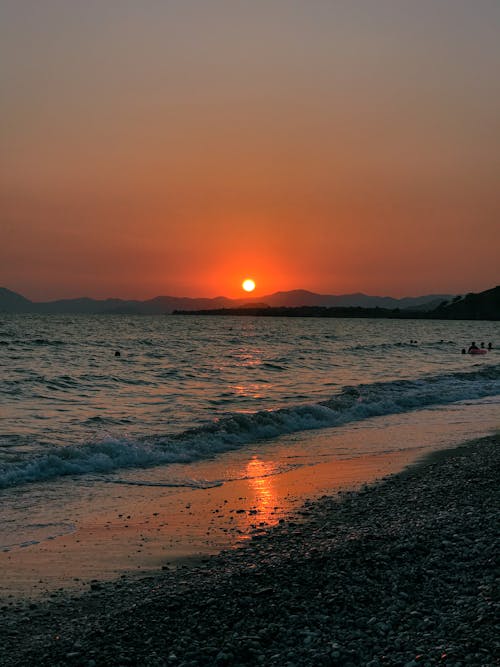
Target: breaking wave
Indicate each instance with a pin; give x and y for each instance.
(351, 404)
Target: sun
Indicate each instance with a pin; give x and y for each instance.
(248, 285)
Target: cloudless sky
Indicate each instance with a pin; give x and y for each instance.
(177, 147)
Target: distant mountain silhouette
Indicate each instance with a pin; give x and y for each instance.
(11, 302)
(482, 306)
(305, 298)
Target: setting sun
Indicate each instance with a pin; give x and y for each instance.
(248, 285)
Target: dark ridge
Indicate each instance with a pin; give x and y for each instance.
(482, 306)
(10, 302)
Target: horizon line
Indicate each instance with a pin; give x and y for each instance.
(243, 297)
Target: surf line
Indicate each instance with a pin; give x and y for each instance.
(173, 485)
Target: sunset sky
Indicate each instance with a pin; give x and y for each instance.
(178, 147)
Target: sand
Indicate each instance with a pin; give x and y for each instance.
(67, 532)
(404, 572)
(122, 529)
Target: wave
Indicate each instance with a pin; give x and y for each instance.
(403, 345)
(203, 483)
(30, 534)
(189, 484)
(30, 342)
(351, 404)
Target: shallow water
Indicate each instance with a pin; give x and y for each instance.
(205, 430)
(77, 529)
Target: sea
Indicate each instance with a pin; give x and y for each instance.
(81, 394)
(128, 442)
(84, 396)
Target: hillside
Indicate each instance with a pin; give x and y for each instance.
(11, 302)
(481, 306)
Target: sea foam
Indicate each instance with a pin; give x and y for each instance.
(351, 404)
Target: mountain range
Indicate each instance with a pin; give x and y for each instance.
(482, 306)
(12, 302)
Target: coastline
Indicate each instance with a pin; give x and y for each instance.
(401, 572)
(137, 521)
(131, 529)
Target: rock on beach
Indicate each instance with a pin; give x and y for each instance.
(404, 572)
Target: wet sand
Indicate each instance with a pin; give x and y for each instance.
(404, 572)
(145, 528)
(76, 530)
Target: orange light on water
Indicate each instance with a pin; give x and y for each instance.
(261, 481)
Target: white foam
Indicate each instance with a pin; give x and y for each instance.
(350, 405)
(30, 534)
(189, 484)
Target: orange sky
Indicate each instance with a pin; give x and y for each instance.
(177, 148)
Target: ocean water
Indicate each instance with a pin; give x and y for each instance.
(186, 388)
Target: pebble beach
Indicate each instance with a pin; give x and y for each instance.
(403, 572)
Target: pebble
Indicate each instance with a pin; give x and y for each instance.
(380, 578)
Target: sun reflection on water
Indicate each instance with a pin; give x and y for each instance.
(250, 390)
(261, 480)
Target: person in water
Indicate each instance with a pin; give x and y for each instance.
(473, 346)
(490, 346)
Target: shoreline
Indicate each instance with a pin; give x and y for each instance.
(399, 573)
(153, 527)
(82, 531)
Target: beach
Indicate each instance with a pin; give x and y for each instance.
(249, 334)
(401, 572)
(69, 532)
(231, 492)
